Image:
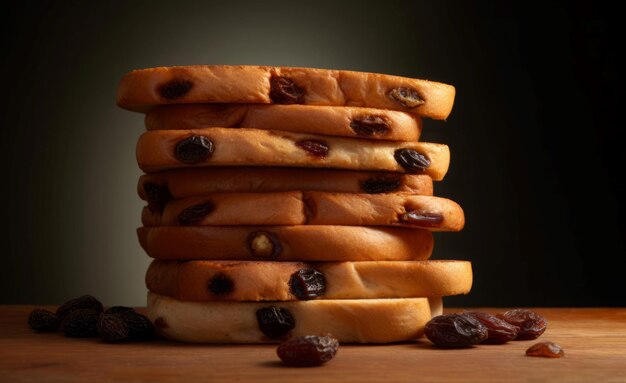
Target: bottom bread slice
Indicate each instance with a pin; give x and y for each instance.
(350, 320)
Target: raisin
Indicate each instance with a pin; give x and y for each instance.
(406, 97)
(113, 328)
(264, 244)
(275, 322)
(307, 284)
(139, 326)
(221, 284)
(118, 309)
(284, 91)
(375, 185)
(422, 219)
(175, 89)
(531, 325)
(81, 323)
(411, 160)
(370, 125)
(308, 350)
(160, 323)
(84, 302)
(158, 196)
(194, 214)
(194, 149)
(499, 330)
(546, 350)
(43, 320)
(455, 331)
(315, 148)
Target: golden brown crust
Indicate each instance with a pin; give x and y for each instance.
(272, 281)
(143, 89)
(348, 320)
(295, 243)
(391, 209)
(327, 120)
(229, 209)
(310, 208)
(191, 182)
(254, 147)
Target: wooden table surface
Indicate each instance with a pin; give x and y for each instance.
(594, 341)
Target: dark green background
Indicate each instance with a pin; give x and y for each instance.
(536, 159)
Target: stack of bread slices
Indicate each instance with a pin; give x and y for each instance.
(291, 201)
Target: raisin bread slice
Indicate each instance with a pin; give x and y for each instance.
(143, 89)
(310, 208)
(159, 188)
(286, 243)
(287, 281)
(160, 150)
(350, 321)
(327, 120)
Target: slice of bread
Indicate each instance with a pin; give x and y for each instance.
(287, 281)
(160, 188)
(345, 121)
(286, 243)
(159, 150)
(350, 321)
(142, 89)
(310, 208)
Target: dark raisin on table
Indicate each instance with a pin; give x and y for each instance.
(531, 324)
(309, 350)
(139, 326)
(84, 302)
(546, 350)
(81, 323)
(113, 328)
(118, 309)
(499, 330)
(455, 331)
(43, 321)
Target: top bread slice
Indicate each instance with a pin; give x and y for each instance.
(140, 90)
(345, 121)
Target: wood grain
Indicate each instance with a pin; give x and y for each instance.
(594, 341)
